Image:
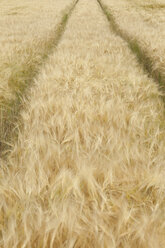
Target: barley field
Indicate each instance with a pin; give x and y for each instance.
(30, 29)
(143, 24)
(82, 160)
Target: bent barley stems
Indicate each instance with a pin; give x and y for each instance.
(142, 56)
(20, 80)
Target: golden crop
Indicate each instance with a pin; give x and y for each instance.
(87, 167)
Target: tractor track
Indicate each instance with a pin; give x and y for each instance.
(10, 110)
(142, 55)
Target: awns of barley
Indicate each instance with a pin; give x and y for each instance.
(87, 169)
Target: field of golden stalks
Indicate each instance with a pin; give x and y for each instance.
(84, 164)
(142, 24)
(30, 30)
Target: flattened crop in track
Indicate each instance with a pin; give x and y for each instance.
(23, 55)
(142, 26)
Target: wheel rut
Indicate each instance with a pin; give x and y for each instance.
(23, 80)
(142, 55)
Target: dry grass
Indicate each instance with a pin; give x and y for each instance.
(88, 167)
(143, 22)
(31, 29)
(153, 4)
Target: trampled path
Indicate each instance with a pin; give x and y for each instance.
(87, 169)
(141, 25)
(23, 53)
